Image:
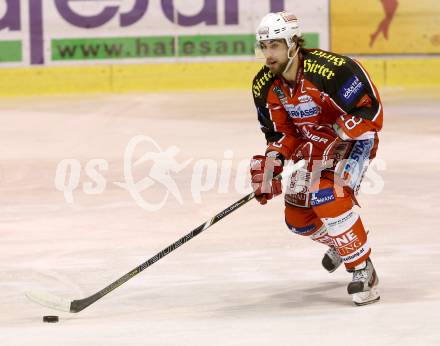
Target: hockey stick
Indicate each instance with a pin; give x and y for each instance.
(77, 305)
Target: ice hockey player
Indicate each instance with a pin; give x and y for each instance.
(321, 107)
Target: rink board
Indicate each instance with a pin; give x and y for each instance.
(401, 72)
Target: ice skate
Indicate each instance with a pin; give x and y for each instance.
(331, 260)
(363, 286)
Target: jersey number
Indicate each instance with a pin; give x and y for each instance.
(352, 122)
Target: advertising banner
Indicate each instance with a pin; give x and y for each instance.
(385, 26)
(54, 32)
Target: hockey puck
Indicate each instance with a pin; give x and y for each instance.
(50, 319)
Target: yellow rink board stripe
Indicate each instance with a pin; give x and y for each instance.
(54, 80)
(401, 72)
(184, 76)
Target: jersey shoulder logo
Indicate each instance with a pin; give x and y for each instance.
(350, 90)
(262, 81)
(322, 63)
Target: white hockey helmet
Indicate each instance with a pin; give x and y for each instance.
(280, 25)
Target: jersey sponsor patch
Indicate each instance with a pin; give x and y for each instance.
(351, 90)
(303, 110)
(312, 66)
(306, 109)
(322, 197)
(336, 60)
(260, 82)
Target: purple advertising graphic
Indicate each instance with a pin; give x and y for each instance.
(72, 12)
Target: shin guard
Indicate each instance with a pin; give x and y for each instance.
(349, 238)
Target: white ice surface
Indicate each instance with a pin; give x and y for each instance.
(245, 281)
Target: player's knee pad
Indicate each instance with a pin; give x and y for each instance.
(348, 237)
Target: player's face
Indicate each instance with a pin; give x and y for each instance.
(275, 53)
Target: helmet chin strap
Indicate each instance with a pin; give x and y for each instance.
(291, 59)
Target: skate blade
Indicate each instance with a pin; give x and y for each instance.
(367, 302)
(365, 298)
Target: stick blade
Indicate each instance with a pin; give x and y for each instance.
(49, 300)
